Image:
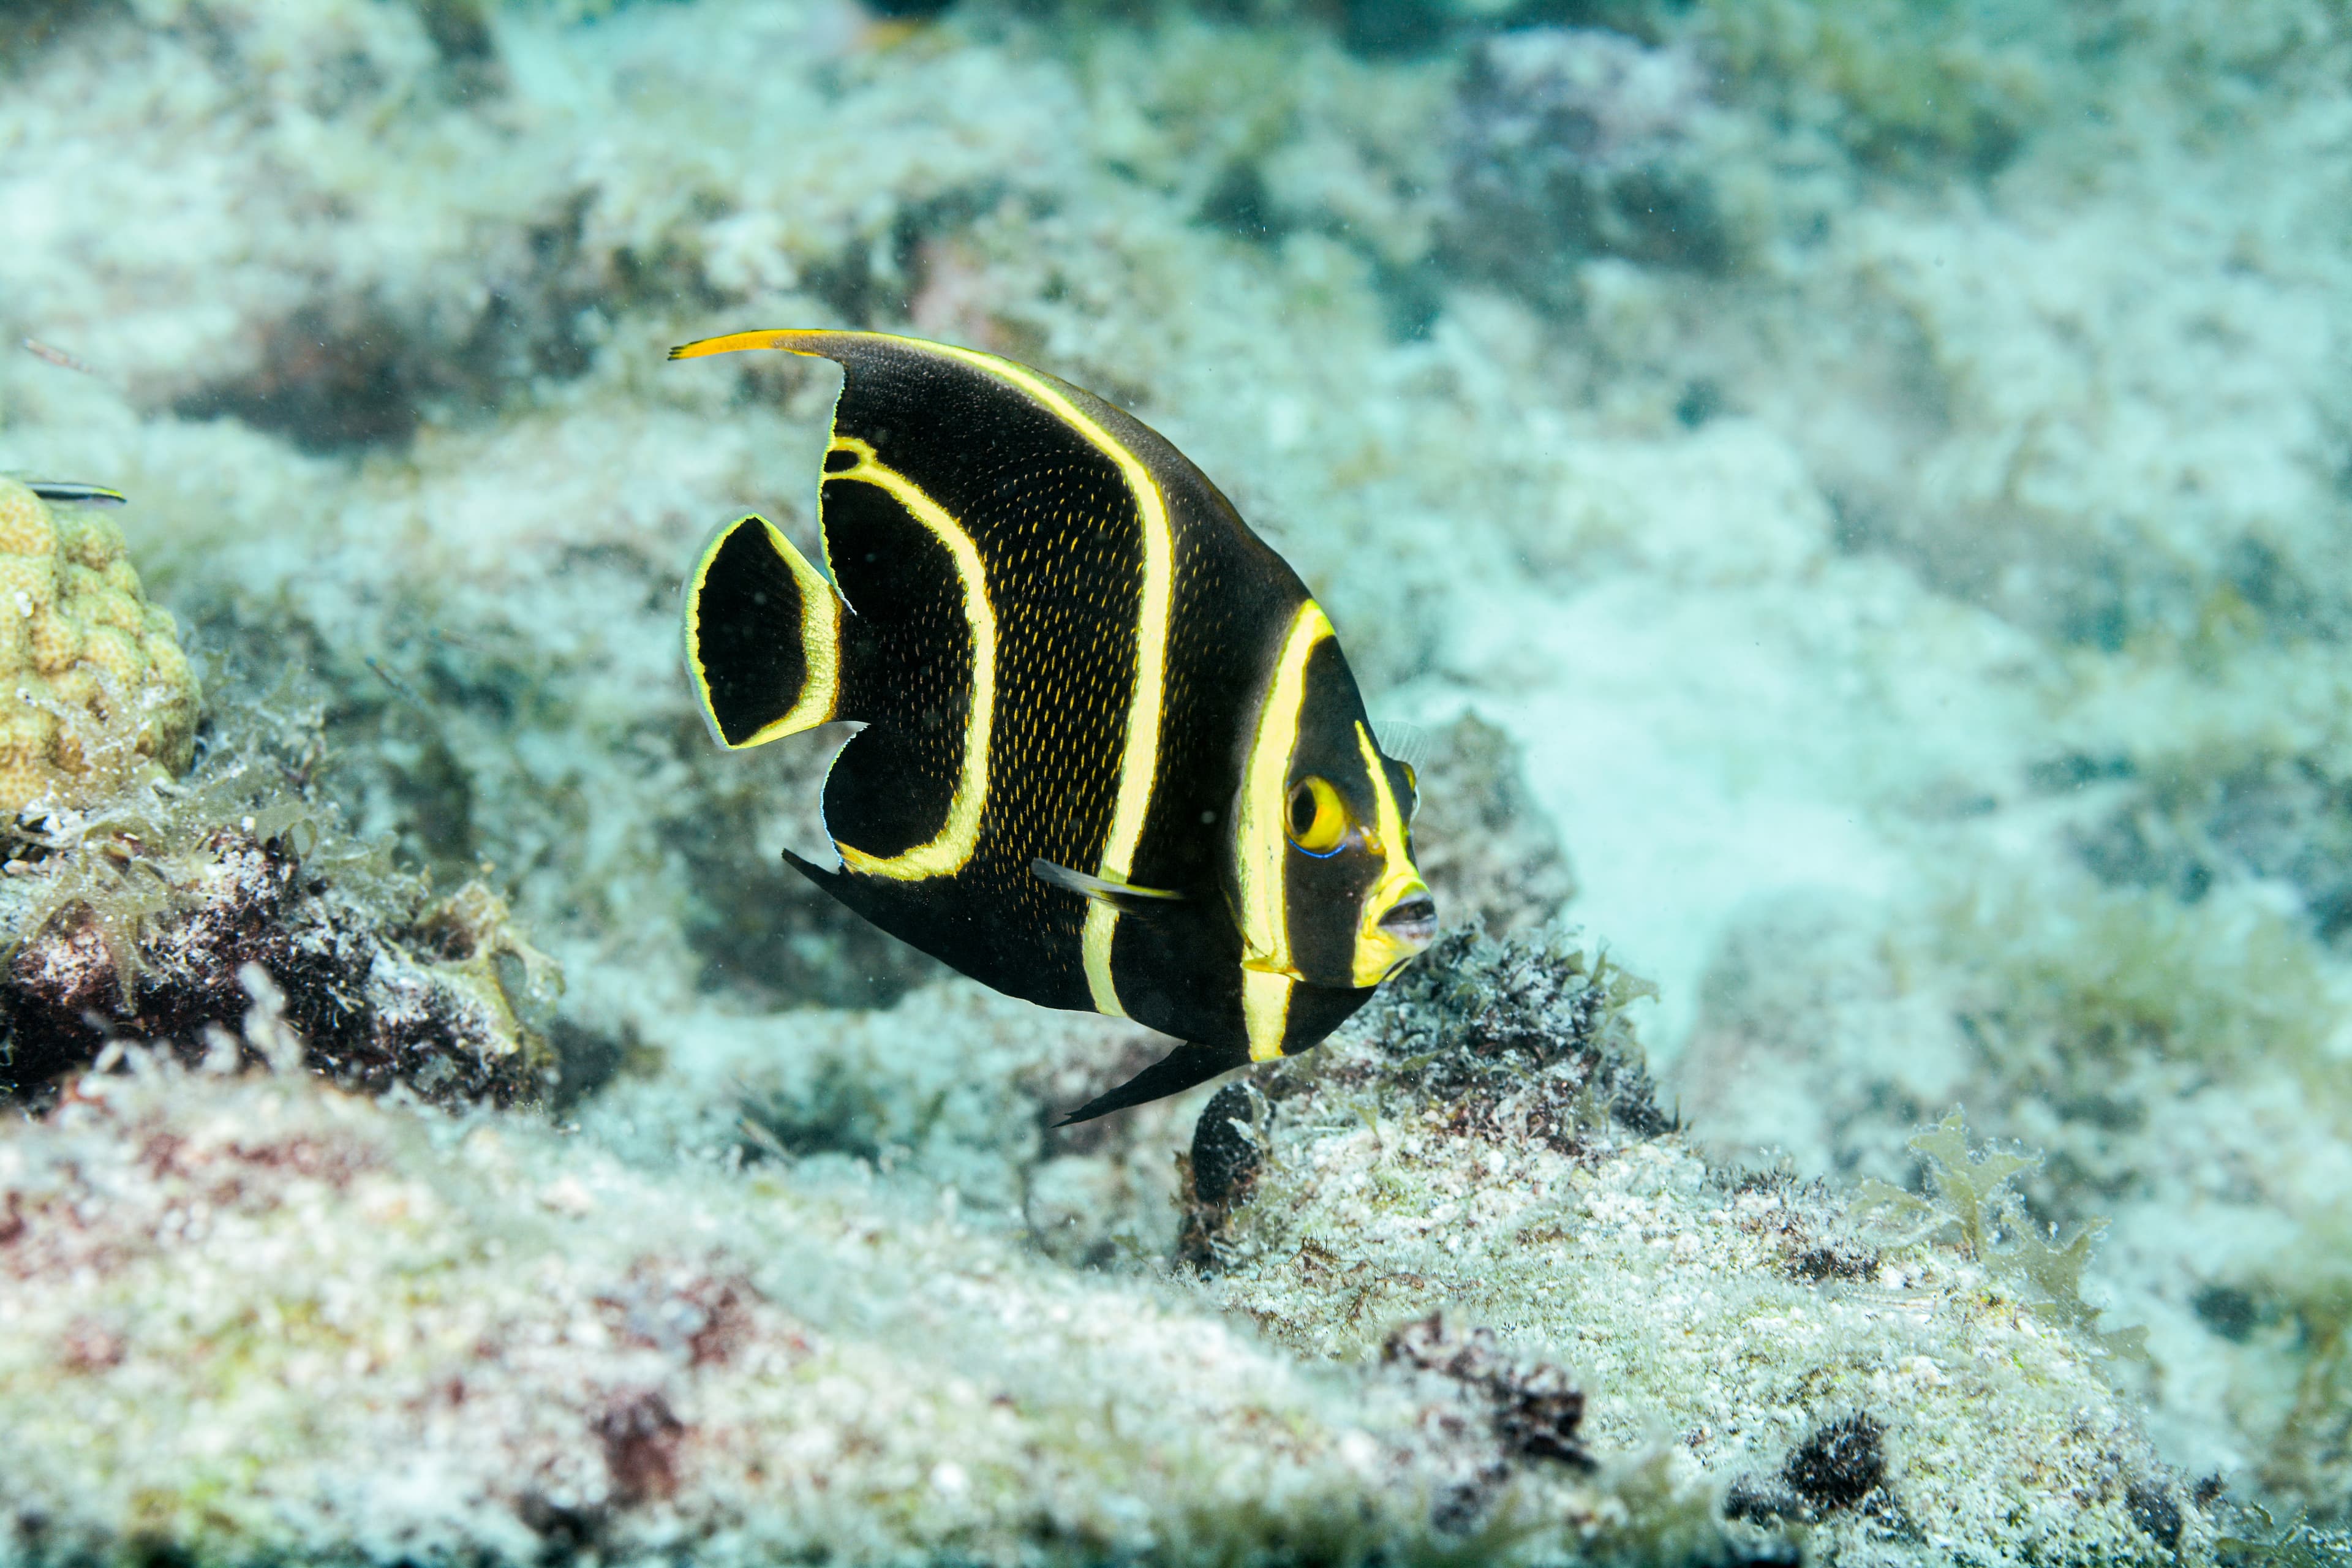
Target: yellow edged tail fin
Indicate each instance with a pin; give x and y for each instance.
(762, 637)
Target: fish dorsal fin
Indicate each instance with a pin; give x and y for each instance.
(1119, 895)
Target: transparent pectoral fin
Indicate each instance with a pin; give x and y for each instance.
(1125, 897)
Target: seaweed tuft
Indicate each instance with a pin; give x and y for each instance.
(1523, 1038)
(1975, 1203)
(164, 913)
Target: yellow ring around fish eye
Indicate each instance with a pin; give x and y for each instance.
(1314, 817)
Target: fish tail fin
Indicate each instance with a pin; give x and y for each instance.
(763, 637)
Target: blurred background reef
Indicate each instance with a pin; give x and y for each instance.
(1857, 493)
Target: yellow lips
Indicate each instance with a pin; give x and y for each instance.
(1397, 924)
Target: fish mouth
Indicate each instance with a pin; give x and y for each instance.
(1412, 920)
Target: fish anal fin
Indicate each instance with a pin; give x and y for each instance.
(763, 637)
(1125, 897)
(1179, 1071)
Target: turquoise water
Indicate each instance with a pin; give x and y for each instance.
(1851, 500)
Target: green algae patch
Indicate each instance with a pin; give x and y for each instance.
(1946, 80)
(2074, 989)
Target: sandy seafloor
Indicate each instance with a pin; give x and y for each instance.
(1887, 468)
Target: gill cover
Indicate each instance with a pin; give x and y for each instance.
(1326, 883)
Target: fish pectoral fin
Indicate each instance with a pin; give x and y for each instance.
(1262, 963)
(1174, 1073)
(1125, 897)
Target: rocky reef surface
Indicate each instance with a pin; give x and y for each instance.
(1862, 482)
(251, 1317)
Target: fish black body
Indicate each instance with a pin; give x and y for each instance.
(1113, 758)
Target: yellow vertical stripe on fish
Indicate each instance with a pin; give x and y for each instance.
(945, 852)
(1265, 930)
(1140, 756)
(1265, 1012)
(820, 645)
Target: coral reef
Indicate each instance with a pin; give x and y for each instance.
(97, 686)
(233, 912)
(1571, 143)
(476, 1340)
(2179, 1065)
(1402, 1167)
(586, 1344)
(1919, 602)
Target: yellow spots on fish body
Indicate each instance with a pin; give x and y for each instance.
(1140, 753)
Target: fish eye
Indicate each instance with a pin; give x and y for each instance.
(1315, 816)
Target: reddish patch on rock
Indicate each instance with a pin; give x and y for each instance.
(301, 1155)
(698, 1316)
(641, 1439)
(88, 1345)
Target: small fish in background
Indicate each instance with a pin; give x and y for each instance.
(73, 492)
(1114, 760)
(400, 688)
(50, 354)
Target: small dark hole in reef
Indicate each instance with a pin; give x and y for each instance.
(1239, 205)
(1701, 401)
(2153, 1509)
(585, 1061)
(322, 384)
(1841, 1464)
(565, 1532)
(2228, 1311)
